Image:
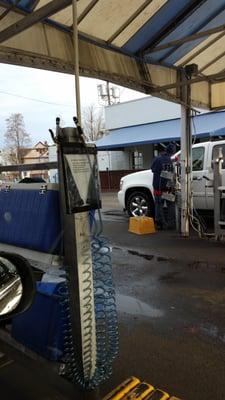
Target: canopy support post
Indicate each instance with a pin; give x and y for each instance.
(76, 61)
(186, 156)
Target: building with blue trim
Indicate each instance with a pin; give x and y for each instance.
(137, 143)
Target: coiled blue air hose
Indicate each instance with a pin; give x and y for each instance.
(106, 324)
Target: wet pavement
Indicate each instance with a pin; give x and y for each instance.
(171, 308)
(22, 378)
(171, 303)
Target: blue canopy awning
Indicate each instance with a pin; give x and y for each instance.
(203, 125)
(218, 132)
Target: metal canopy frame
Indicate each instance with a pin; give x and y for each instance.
(142, 45)
(189, 38)
(27, 34)
(189, 9)
(44, 12)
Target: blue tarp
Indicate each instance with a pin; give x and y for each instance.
(203, 125)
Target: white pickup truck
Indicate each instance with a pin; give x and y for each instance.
(136, 191)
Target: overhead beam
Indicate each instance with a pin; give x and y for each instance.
(7, 10)
(128, 22)
(34, 4)
(171, 51)
(32, 60)
(189, 38)
(222, 73)
(29, 167)
(213, 61)
(83, 36)
(203, 48)
(86, 11)
(36, 16)
(144, 71)
(214, 78)
(182, 15)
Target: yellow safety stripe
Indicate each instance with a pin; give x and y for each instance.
(174, 398)
(158, 395)
(123, 389)
(133, 389)
(140, 392)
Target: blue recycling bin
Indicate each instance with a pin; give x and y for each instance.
(31, 219)
(41, 327)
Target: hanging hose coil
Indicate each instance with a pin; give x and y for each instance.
(98, 316)
(106, 324)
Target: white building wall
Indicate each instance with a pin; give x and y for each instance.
(52, 153)
(111, 160)
(141, 111)
(119, 160)
(103, 160)
(53, 173)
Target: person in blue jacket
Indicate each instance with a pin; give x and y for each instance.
(164, 220)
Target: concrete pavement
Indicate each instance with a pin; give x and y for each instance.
(171, 323)
(110, 201)
(171, 304)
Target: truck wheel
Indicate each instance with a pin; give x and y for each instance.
(140, 204)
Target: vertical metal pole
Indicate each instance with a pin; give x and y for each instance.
(78, 257)
(108, 93)
(186, 159)
(217, 182)
(76, 61)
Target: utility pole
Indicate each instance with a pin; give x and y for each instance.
(107, 94)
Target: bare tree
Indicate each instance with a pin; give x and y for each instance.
(16, 138)
(93, 123)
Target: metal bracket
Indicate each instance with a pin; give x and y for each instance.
(43, 189)
(7, 188)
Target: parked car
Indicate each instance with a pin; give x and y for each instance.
(32, 180)
(136, 191)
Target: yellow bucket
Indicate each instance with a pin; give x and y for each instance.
(141, 225)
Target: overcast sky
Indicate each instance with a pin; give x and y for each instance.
(50, 88)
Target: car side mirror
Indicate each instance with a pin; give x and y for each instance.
(17, 285)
